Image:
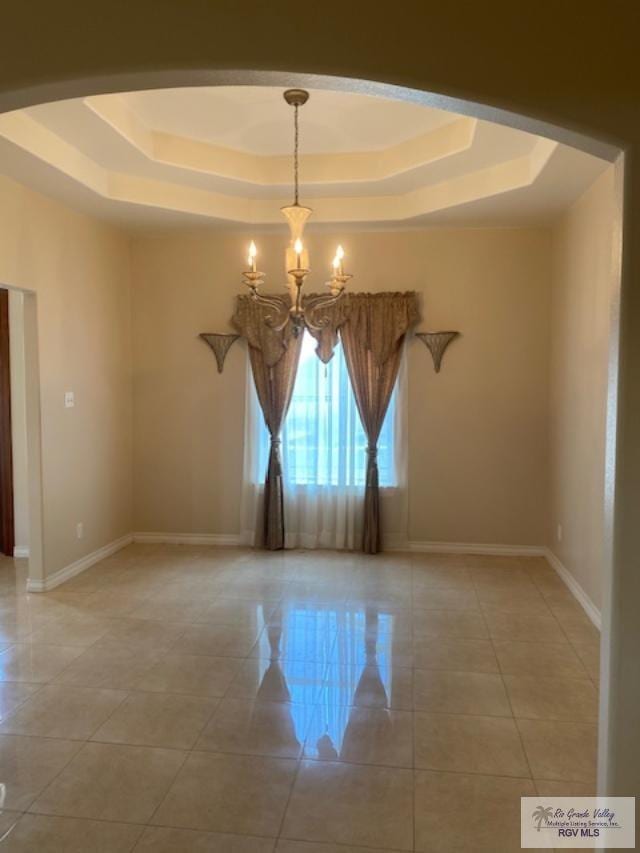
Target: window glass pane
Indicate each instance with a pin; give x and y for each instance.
(323, 442)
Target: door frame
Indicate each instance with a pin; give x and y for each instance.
(7, 530)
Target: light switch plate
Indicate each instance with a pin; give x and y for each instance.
(69, 400)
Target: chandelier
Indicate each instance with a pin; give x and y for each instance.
(307, 312)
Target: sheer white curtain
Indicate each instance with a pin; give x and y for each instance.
(324, 459)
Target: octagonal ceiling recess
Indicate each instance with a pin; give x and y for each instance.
(224, 154)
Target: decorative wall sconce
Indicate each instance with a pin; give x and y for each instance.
(436, 343)
(220, 344)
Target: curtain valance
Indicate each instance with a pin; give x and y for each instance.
(378, 320)
(249, 319)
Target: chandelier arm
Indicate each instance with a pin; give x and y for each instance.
(316, 326)
(315, 299)
(322, 300)
(277, 304)
(276, 325)
(313, 305)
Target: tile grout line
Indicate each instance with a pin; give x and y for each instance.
(190, 752)
(572, 644)
(290, 795)
(88, 740)
(132, 691)
(72, 758)
(504, 687)
(187, 755)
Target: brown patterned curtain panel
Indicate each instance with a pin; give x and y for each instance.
(372, 340)
(274, 360)
(372, 328)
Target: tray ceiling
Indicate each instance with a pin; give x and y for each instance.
(223, 155)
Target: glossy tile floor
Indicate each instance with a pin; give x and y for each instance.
(191, 699)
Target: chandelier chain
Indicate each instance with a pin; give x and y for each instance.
(296, 144)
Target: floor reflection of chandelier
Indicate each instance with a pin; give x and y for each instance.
(302, 312)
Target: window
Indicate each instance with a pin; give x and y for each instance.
(323, 442)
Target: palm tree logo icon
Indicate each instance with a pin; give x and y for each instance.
(542, 813)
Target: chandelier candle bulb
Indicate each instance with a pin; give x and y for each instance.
(252, 256)
(298, 250)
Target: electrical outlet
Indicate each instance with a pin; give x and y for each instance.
(69, 400)
(559, 533)
(80, 530)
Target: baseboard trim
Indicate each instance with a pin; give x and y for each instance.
(21, 552)
(224, 539)
(514, 551)
(73, 569)
(234, 540)
(474, 548)
(574, 587)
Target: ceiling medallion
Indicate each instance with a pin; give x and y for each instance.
(292, 308)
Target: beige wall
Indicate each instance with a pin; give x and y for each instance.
(582, 294)
(79, 270)
(481, 421)
(477, 431)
